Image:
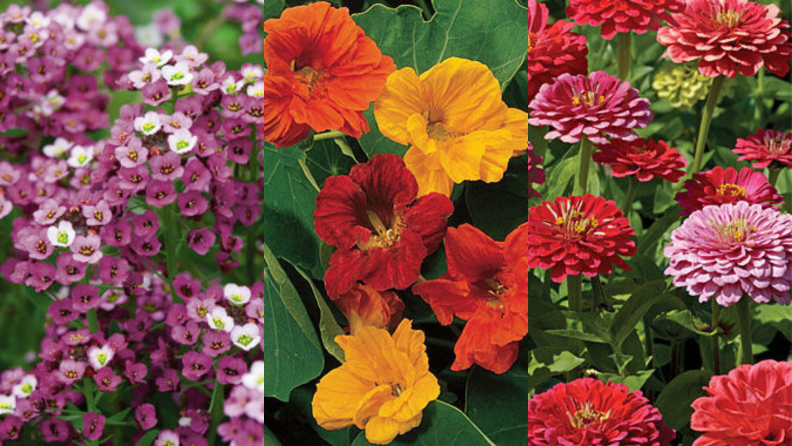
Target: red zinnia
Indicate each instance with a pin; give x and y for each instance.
(622, 16)
(645, 159)
(587, 411)
(322, 73)
(576, 235)
(752, 405)
(719, 186)
(486, 285)
(381, 231)
(729, 36)
(766, 148)
(552, 50)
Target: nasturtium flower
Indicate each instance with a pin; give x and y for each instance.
(644, 158)
(381, 231)
(455, 122)
(61, 235)
(749, 406)
(730, 251)
(322, 73)
(486, 285)
(766, 148)
(246, 336)
(720, 186)
(383, 387)
(623, 16)
(587, 412)
(364, 306)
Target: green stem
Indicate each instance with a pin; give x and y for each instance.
(744, 322)
(575, 289)
(308, 174)
(624, 42)
(585, 161)
(328, 135)
(759, 111)
(715, 338)
(706, 120)
(773, 177)
(649, 340)
(630, 196)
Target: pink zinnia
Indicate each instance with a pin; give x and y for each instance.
(643, 158)
(766, 148)
(719, 186)
(729, 36)
(726, 251)
(593, 106)
(749, 406)
(587, 412)
(622, 16)
(552, 50)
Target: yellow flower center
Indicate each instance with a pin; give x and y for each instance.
(531, 41)
(307, 75)
(778, 144)
(729, 19)
(586, 416)
(575, 224)
(737, 231)
(497, 294)
(384, 237)
(588, 98)
(731, 190)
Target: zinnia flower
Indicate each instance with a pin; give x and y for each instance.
(749, 406)
(486, 285)
(593, 106)
(719, 186)
(455, 122)
(622, 16)
(766, 148)
(552, 50)
(729, 36)
(577, 235)
(364, 306)
(681, 84)
(383, 387)
(645, 159)
(381, 231)
(733, 249)
(322, 73)
(536, 175)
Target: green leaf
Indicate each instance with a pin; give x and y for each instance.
(292, 354)
(492, 403)
(289, 202)
(328, 327)
(148, 439)
(675, 399)
(269, 438)
(544, 362)
(497, 209)
(648, 240)
(442, 425)
(685, 319)
(633, 382)
(633, 310)
(11, 133)
(560, 179)
(470, 29)
(118, 418)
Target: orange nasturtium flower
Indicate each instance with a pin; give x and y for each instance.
(383, 387)
(322, 73)
(365, 306)
(455, 122)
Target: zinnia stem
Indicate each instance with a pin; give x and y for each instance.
(630, 196)
(773, 177)
(744, 322)
(575, 289)
(715, 339)
(328, 135)
(585, 160)
(624, 42)
(706, 120)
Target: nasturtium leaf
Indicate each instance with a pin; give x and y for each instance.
(485, 31)
(492, 402)
(292, 354)
(675, 399)
(328, 327)
(497, 209)
(289, 202)
(269, 438)
(326, 159)
(442, 425)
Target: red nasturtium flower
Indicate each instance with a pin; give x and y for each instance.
(719, 186)
(486, 285)
(381, 230)
(322, 73)
(364, 306)
(587, 412)
(552, 50)
(752, 405)
(577, 235)
(729, 37)
(643, 158)
(623, 16)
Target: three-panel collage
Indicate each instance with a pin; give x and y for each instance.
(396, 222)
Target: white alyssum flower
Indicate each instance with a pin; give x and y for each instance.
(219, 319)
(61, 235)
(80, 156)
(230, 86)
(254, 379)
(256, 90)
(182, 141)
(91, 16)
(157, 58)
(148, 124)
(58, 149)
(52, 102)
(236, 294)
(38, 20)
(7, 404)
(251, 73)
(246, 336)
(100, 357)
(25, 387)
(149, 35)
(178, 74)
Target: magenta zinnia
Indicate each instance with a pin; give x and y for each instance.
(726, 251)
(766, 148)
(587, 412)
(578, 235)
(643, 158)
(719, 186)
(596, 106)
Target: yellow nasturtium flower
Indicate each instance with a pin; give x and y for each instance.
(383, 387)
(455, 122)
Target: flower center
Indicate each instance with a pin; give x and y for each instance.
(587, 417)
(575, 224)
(385, 237)
(63, 238)
(307, 75)
(588, 98)
(438, 132)
(497, 294)
(531, 41)
(778, 144)
(731, 190)
(245, 340)
(729, 18)
(218, 322)
(738, 231)
(147, 127)
(101, 358)
(27, 388)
